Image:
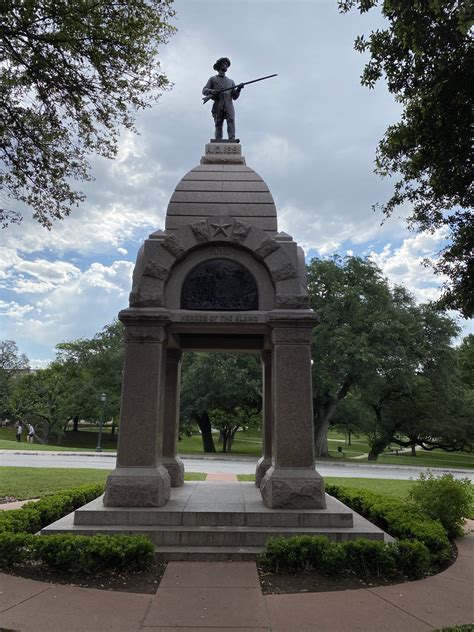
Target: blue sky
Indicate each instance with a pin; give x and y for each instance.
(311, 133)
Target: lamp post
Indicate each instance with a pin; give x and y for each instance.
(103, 399)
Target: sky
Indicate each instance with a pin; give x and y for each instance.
(311, 133)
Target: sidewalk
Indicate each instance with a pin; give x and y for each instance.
(226, 597)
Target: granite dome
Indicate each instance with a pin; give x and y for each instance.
(222, 185)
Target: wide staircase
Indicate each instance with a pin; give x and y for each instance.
(216, 521)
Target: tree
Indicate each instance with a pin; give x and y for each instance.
(12, 364)
(419, 401)
(72, 74)
(362, 321)
(223, 391)
(93, 366)
(40, 397)
(425, 55)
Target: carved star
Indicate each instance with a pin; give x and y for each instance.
(221, 227)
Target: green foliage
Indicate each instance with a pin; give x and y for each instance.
(402, 519)
(425, 55)
(363, 558)
(15, 548)
(12, 364)
(383, 366)
(35, 515)
(90, 554)
(222, 389)
(72, 75)
(446, 499)
(67, 553)
(71, 386)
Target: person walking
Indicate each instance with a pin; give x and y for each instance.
(19, 430)
(31, 433)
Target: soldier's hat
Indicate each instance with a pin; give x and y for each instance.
(218, 63)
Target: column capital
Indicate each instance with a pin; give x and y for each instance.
(145, 332)
(293, 335)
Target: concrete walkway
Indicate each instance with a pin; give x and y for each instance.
(225, 597)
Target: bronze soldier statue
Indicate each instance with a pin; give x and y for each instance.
(223, 91)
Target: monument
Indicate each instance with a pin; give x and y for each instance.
(219, 277)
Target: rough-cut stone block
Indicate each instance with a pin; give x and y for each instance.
(137, 487)
(263, 466)
(291, 301)
(150, 292)
(266, 248)
(240, 231)
(201, 231)
(155, 270)
(172, 246)
(293, 489)
(175, 469)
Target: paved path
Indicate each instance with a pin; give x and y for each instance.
(226, 597)
(230, 464)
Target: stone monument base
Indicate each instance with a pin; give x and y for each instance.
(284, 488)
(175, 468)
(216, 521)
(138, 487)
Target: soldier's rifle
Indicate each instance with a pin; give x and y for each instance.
(240, 85)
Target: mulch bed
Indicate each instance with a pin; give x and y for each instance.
(146, 582)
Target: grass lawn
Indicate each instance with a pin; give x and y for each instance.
(388, 487)
(437, 458)
(35, 482)
(86, 440)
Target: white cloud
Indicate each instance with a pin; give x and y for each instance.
(404, 265)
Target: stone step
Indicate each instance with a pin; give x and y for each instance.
(208, 553)
(217, 536)
(144, 517)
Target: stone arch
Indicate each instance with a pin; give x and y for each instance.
(162, 253)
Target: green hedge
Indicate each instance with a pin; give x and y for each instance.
(402, 519)
(68, 552)
(422, 545)
(363, 558)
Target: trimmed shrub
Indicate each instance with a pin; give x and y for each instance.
(67, 553)
(402, 519)
(363, 558)
(89, 554)
(446, 499)
(369, 558)
(412, 558)
(15, 548)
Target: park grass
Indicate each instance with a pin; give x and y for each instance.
(86, 441)
(388, 487)
(436, 458)
(36, 482)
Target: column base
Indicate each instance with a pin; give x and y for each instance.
(293, 489)
(137, 487)
(175, 468)
(262, 467)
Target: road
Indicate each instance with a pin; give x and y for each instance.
(213, 464)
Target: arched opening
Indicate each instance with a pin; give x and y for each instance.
(219, 284)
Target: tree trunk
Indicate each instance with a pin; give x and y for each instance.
(413, 449)
(75, 423)
(323, 417)
(204, 424)
(349, 437)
